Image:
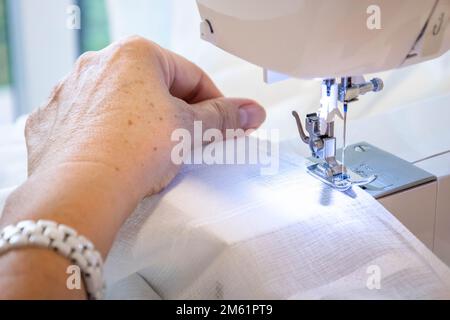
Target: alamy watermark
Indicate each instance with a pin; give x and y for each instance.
(374, 20)
(374, 279)
(73, 281)
(212, 146)
(73, 21)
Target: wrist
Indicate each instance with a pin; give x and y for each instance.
(36, 274)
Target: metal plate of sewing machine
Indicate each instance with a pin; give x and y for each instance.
(393, 173)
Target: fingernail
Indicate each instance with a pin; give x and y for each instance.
(251, 116)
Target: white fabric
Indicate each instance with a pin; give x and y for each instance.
(226, 232)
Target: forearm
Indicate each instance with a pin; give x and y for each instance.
(91, 199)
(116, 112)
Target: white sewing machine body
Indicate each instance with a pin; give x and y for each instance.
(327, 39)
(324, 39)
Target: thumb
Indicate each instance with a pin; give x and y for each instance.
(229, 113)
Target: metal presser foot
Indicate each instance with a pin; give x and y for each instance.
(323, 147)
(320, 129)
(339, 181)
(342, 181)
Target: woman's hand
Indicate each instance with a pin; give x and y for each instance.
(118, 109)
(103, 142)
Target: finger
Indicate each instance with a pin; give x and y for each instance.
(226, 113)
(187, 81)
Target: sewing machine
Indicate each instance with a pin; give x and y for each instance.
(338, 42)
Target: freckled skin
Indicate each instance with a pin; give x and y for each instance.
(104, 112)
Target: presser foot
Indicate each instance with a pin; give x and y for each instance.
(340, 181)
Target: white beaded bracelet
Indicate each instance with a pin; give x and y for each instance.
(63, 240)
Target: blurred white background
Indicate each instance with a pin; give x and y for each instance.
(37, 50)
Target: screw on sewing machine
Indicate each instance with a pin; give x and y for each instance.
(351, 88)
